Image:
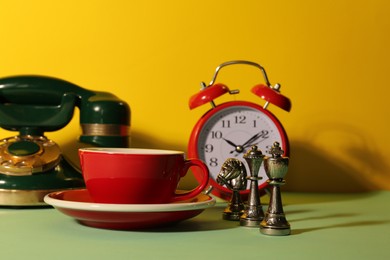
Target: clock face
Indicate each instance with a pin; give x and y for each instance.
(231, 130)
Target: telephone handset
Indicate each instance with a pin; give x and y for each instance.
(32, 165)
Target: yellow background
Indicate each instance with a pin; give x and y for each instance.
(331, 58)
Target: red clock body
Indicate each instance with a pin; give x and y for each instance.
(228, 131)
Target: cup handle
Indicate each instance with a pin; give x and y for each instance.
(193, 193)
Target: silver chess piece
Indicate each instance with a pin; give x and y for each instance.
(233, 176)
(275, 222)
(253, 213)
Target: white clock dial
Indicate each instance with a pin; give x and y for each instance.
(230, 132)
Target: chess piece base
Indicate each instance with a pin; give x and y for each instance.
(275, 224)
(232, 216)
(248, 222)
(270, 231)
(252, 216)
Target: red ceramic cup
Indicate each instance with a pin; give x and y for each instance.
(137, 176)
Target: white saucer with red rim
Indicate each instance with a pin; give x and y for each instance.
(79, 205)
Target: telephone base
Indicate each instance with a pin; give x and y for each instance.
(23, 198)
(30, 190)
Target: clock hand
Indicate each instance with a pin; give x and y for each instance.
(252, 139)
(229, 142)
(238, 148)
(251, 144)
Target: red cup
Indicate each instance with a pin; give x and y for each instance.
(137, 176)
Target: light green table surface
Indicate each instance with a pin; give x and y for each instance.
(324, 226)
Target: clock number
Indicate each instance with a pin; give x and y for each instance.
(208, 148)
(216, 134)
(237, 120)
(226, 123)
(240, 119)
(213, 162)
(264, 134)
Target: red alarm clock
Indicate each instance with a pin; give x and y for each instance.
(228, 130)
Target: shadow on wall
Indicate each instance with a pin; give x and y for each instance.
(314, 170)
(311, 168)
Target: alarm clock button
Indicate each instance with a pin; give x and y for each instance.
(207, 95)
(272, 95)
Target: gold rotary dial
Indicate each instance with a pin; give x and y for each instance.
(27, 155)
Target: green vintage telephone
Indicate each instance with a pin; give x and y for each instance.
(31, 165)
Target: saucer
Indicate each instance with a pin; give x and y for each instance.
(79, 205)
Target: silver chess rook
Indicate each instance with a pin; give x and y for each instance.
(253, 213)
(275, 222)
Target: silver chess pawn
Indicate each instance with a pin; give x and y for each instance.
(253, 213)
(275, 222)
(233, 176)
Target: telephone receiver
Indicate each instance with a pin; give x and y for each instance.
(271, 94)
(31, 165)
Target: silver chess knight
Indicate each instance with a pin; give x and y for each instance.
(253, 213)
(275, 222)
(233, 176)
